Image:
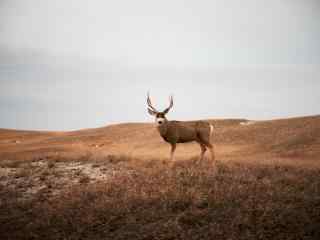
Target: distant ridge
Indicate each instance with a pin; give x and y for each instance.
(297, 137)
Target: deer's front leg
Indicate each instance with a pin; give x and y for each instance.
(173, 148)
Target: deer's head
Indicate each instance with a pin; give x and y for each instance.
(160, 117)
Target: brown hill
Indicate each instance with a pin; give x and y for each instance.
(111, 183)
(295, 138)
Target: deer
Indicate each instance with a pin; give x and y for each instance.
(175, 132)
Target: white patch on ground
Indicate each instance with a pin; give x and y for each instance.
(248, 123)
(88, 169)
(50, 178)
(6, 172)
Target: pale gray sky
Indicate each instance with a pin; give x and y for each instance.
(76, 64)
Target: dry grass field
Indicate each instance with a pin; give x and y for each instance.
(115, 183)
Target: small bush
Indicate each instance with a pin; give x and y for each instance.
(84, 179)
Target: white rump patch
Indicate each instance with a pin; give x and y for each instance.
(211, 130)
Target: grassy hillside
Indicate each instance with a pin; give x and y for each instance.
(115, 183)
(151, 201)
(294, 138)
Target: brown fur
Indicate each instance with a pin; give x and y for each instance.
(175, 132)
(181, 132)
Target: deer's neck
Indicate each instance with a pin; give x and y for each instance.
(163, 128)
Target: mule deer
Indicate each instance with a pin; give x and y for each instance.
(175, 132)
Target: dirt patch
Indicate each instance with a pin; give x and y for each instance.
(50, 177)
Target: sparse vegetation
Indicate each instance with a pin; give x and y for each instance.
(10, 163)
(116, 183)
(84, 179)
(51, 164)
(187, 201)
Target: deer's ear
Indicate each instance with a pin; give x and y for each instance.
(151, 112)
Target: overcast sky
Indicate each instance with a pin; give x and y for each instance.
(76, 64)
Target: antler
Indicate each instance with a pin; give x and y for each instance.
(170, 106)
(150, 104)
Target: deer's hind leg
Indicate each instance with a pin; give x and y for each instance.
(206, 142)
(211, 148)
(203, 151)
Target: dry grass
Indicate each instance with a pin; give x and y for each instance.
(153, 201)
(114, 183)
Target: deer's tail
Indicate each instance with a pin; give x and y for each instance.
(211, 132)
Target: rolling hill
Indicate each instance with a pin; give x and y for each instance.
(295, 138)
(114, 183)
